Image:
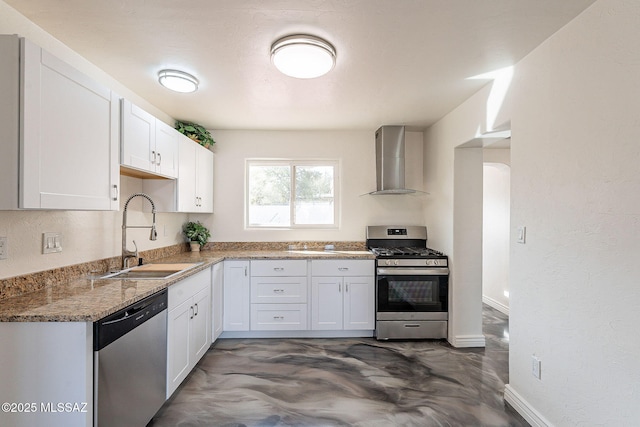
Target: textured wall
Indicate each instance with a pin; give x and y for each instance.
(87, 236)
(495, 231)
(575, 177)
(356, 152)
(573, 106)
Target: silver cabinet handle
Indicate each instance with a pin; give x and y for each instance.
(153, 161)
(197, 311)
(115, 193)
(278, 291)
(339, 287)
(191, 309)
(159, 159)
(346, 287)
(278, 317)
(343, 268)
(278, 268)
(245, 271)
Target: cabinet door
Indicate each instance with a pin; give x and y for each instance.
(166, 150)
(236, 296)
(204, 180)
(217, 302)
(200, 327)
(187, 175)
(138, 137)
(69, 139)
(359, 302)
(326, 303)
(178, 364)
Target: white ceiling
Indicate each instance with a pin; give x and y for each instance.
(399, 61)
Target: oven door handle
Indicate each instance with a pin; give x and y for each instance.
(413, 271)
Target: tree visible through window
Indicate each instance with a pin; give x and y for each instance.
(291, 193)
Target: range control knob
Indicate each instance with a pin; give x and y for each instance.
(396, 262)
(388, 262)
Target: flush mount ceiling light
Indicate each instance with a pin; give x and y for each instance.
(303, 56)
(178, 81)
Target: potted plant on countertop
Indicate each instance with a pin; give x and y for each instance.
(196, 132)
(197, 234)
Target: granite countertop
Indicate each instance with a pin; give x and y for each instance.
(87, 299)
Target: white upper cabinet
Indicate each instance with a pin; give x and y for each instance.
(148, 144)
(59, 131)
(193, 190)
(195, 177)
(166, 152)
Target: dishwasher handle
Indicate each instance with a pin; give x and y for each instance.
(131, 311)
(116, 325)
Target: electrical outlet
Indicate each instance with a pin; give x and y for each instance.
(536, 367)
(4, 250)
(51, 243)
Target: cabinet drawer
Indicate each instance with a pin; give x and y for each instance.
(277, 290)
(345, 267)
(276, 317)
(183, 290)
(279, 268)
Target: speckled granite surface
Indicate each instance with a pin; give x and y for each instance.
(71, 294)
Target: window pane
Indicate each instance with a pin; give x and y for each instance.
(270, 195)
(314, 202)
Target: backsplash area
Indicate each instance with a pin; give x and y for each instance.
(19, 285)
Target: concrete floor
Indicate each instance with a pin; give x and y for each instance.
(347, 382)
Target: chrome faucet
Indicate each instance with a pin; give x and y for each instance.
(126, 254)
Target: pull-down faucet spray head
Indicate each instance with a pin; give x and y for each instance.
(126, 254)
(154, 233)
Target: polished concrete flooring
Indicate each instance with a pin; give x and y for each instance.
(347, 382)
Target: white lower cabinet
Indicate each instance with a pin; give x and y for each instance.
(189, 326)
(217, 300)
(345, 301)
(269, 297)
(279, 295)
(236, 296)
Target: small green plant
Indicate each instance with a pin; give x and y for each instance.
(196, 132)
(196, 232)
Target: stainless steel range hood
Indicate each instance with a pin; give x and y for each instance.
(390, 161)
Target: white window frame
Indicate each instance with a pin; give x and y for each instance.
(336, 164)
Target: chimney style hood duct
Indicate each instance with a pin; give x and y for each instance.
(390, 161)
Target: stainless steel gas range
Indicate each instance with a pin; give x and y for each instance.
(412, 284)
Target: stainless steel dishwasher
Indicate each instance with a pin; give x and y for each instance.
(130, 363)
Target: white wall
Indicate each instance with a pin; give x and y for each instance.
(87, 236)
(495, 231)
(356, 152)
(573, 106)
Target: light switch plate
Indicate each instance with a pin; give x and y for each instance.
(521, 234)
(51, 243)
(4, 250)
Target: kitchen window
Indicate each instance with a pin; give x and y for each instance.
(292, 193)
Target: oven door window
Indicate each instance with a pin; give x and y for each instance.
(412, 293)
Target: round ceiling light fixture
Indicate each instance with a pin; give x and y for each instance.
(303, 56)
(178, 81)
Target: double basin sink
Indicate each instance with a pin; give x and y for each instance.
(152, 271)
